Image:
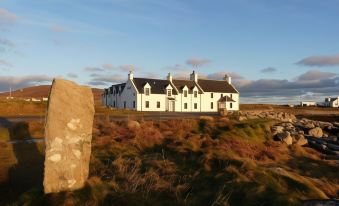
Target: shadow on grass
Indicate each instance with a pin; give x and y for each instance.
(27, 173)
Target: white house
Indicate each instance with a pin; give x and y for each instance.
(331, 102)
(173, 95)
(308, 104)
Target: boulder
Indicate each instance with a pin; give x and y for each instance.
(68, 135)
(242, 118)
(309, 125)
(301, 141)
(285, 137)
(316, 132)
(133, 125)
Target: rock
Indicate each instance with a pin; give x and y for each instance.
(316, 132)
(301, 141)
(309, 125)
(285, 137)
(242, 118)
(133, 125)
(68, 133)
(325, 135)
(277, 130)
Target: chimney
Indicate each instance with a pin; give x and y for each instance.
(228, 79)
(194, 77)
(130, 75)
(169, 77)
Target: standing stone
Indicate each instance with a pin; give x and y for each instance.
(68, 134)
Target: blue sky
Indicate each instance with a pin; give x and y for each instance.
(286, 50)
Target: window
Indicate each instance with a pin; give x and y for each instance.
(211, 105)
(195, 106)
(147, 91)
(211, 95)
(169, 92)
(158, 104)
(114, 93)
(147, 104)
(133, 104)
(221, 95)
(113, 103)
(124, 104)
(195, 94)
(185, 93)
(231, 95)
(185, 106)
(133, 94)
(231, 105)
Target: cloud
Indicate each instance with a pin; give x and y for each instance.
(320, 61)
(315, 75)
(317, 83)
(56, 28)
(22, 81)
(221, 75)
(268, 70)
(6, 43)
(196, 62)
(126, 67)
(5, 63)
(108, 66)
(93, 69)
(7, 16)
(102, 79)
(72, 75)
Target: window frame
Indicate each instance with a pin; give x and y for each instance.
(185, 105)
(195, 105)
(147, 91)
(195, 94)
(185, 93)
(169, 92)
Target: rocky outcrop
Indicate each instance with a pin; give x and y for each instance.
(68, 134)
(320, 135)
(281, 116)
(316, 132)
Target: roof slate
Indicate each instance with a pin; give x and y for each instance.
(180, 84)
(158, 86)
(216, 86)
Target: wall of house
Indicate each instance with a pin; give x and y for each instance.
(152, 99)
(206, 100)
(128, 96)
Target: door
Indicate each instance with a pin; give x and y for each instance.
(171, 105)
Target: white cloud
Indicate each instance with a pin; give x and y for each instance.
(58, 28)
(72, 75)
(22, 81)
(268, 70)
(320, 61)
(196, 62)
(7, 16)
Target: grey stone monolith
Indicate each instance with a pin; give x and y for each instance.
(68, 136)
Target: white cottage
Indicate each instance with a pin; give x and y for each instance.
(331, 102)
(172, 95)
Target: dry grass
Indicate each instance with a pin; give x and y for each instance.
(209, 161)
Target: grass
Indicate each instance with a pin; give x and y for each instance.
(206, 161)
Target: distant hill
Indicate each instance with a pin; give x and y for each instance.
(40, 92)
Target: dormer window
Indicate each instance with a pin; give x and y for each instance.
(185, 93)
(169, 92)
(195, 94)
(147, 91)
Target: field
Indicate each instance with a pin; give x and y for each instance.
(206, 161)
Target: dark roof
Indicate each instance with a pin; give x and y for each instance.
(158, 86)
(116, 86)
(226, 99)
(216, 86)
(180, 84)
(333, 99)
